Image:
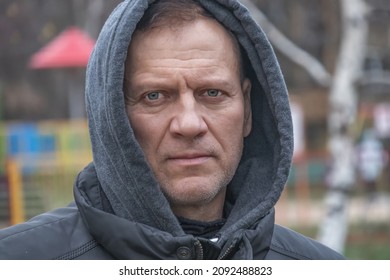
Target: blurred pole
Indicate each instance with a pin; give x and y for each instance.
(93, 16)
(1, 101)
(75, 95)
(303, 190)
(16, 201)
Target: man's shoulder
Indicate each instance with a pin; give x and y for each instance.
(53, 235)
(288, 244)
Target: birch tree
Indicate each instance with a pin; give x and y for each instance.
(342, 104)
(343, 108)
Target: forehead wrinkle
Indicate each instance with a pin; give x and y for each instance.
(186, 60)
(182, 55)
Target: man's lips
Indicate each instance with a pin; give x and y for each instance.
(189, 159)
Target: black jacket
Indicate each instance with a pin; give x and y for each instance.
(119, 210)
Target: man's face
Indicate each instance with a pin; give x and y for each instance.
(189, 110)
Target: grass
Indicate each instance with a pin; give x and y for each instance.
(364, 241)
(368, 250)
(368, 242)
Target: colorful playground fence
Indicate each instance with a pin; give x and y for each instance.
(38, 166)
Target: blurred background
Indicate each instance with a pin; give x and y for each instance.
(335, 55)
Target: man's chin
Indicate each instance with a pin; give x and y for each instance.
(188, 194)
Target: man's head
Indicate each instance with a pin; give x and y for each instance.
(188, 104)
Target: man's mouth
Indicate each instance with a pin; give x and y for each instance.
(190, 159)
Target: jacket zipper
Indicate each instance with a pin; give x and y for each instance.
(199, 250)
(228, 251)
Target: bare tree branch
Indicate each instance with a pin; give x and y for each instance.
(314, 67)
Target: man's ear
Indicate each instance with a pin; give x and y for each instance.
(246, 90)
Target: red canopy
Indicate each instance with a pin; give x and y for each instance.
(71, 48)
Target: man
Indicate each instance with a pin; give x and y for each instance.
(192, 144)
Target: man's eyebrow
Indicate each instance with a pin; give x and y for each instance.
(219, 81)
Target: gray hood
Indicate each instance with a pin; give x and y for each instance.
(124, 175)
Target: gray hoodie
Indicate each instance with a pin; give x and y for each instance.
(119, 161)
(121, 212)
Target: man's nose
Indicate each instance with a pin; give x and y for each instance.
(187, 118)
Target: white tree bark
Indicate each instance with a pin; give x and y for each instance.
(343, 107)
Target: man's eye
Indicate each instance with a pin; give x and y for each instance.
(213, 92)
(153, 95)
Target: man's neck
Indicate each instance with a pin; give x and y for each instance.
(201, 229)
(198, 213)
